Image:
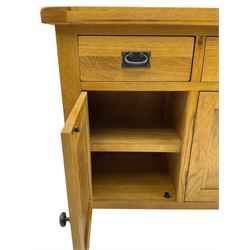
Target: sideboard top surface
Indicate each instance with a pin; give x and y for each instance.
(131, 15)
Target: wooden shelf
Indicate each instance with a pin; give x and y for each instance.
(134, 139)
(130, 177)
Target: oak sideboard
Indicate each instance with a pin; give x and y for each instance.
(141, 108)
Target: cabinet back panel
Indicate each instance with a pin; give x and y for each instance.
(128, 104)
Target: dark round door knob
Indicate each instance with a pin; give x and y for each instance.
(63, 219)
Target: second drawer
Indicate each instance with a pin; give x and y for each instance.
(103, 58)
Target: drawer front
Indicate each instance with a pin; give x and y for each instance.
(211, 61)
(101, 58)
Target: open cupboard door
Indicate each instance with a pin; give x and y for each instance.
(77, 161)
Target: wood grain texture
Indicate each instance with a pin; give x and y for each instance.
(76, 152)
(135, 140)
(149, 86)
(149, 29)
(176, 115)
(198, 58)
(130, 176)
(183, 121)
(101, 59)
(211, 61)
(127, 108)
(157, 146)
(88, 226)
(69, 68)
(203, 175)
(149, 204)
(133, 15)
(132, 121)
(179, 163)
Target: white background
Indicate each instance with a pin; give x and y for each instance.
(32, 186)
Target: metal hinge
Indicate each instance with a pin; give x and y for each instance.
(75, 130)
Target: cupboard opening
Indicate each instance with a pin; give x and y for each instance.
(136, 140)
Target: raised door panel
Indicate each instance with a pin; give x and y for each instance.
(77, 162)
(203, 178)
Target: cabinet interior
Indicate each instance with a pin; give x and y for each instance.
(131, 176)
(136, 140)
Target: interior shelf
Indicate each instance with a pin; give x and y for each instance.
(134, 139)
(137, 121)
(131, 177)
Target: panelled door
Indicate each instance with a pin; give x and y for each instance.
(203, 177)
(77, 162)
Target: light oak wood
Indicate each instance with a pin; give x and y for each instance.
(134, 176)
(177, 108)
(76, 152)
(133, 15)
(134, 109)
(145, 139)
(101, 59)
(149, 204)
(135, 140)
(149, 86)
(211, 61)
(183, 122)
(179, 164)
(88, 227)
(136, 121)
(198, 58)
(68, 64)
(203, 175)
(149, 29)
(155, 110)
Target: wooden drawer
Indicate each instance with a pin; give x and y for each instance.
(101, 58)
(211, 61)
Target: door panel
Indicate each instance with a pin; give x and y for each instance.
(203, 178)
(77, 162)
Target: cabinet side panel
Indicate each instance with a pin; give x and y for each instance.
(68, 65)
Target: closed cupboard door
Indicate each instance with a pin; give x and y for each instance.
(203, 177)
(77, 162)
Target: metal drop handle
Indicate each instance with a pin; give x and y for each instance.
(140, 55)
(136, 59)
